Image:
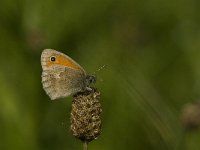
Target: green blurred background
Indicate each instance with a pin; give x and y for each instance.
(151, 50)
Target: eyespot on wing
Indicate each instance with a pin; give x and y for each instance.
(61, 60)
(52, 57)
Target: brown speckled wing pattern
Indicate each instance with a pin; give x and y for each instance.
(60, 81)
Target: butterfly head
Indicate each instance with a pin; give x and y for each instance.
(90, 79)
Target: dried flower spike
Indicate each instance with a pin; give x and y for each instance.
(85, 115)
(190, 115)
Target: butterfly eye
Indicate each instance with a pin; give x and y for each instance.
(52, 58)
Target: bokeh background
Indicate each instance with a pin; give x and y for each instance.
(151, 50)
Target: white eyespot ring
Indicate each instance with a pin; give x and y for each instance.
(53, 58)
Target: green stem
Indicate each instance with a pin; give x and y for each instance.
(85, 145)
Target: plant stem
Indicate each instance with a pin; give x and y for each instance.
(85, 145)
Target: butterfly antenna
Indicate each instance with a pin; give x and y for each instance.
(102, 67)
(95, 73)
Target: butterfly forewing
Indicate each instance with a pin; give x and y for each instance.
(60, 80)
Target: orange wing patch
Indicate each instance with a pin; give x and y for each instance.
(61, 60)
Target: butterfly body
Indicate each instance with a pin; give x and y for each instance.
(62, 76)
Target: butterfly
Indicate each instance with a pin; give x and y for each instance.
(62, 76)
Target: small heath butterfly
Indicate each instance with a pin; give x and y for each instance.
(62, 76)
